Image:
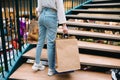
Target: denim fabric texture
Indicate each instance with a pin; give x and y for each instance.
(48, 23)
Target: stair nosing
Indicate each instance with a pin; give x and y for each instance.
(21, 73)
(94, 1)
(96, 11)
(93, 25)
(93, 18)
(91, 34)
(84, 60)
(104, 47)
(103, 4)
(100, 65)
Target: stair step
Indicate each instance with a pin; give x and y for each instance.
(103, 5)
(91, 17)
(25, 72)
(76, 11)
(93, 25)
(103, 1)
(98, 46)
(91, 34)
(31, 54)
(85, 59)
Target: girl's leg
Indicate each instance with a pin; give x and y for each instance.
(41, 40)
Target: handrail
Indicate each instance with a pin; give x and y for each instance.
(71, 4)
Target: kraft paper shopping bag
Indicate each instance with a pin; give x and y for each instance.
(67, 55)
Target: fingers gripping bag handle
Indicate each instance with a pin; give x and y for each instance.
(65, 36)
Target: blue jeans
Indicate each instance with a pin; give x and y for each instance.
(48, 23)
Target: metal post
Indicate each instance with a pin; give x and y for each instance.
(72, 4)
(18, 24)
(30, 9)
(3, 39)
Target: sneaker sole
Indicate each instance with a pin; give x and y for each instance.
(41, 69)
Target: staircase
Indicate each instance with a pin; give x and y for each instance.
(97, 27)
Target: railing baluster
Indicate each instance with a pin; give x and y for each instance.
(18, 24)
(33, 5)
(20, 8)
(20, 20)
(15, 30)
(7, 29)
(72, 3)
(3, 39)
(1, 66)
(30, 9)
(24, 2)
(11, 38)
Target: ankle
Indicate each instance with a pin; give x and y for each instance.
(51, 72)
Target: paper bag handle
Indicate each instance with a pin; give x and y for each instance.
(65, 36)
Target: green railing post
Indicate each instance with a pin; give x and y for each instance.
(72, 3)
(3, 39)
(30, 9)
(18, 24)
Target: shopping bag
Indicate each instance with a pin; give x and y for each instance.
(67, 55)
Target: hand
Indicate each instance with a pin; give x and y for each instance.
(65, 29)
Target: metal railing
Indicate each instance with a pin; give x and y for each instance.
(15, 16)
(70, 4)
(8, 35)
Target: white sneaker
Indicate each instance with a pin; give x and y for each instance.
(36, 67)
(113, 75)
(51, 72)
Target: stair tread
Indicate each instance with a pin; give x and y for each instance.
(93, 25)
(103, 0)
(31, 54)
(25, 72)
(98, 46)
(99, 61)
(103, 4)
(96, 11)
(85, 59)
(91, 34)
(105, 18)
